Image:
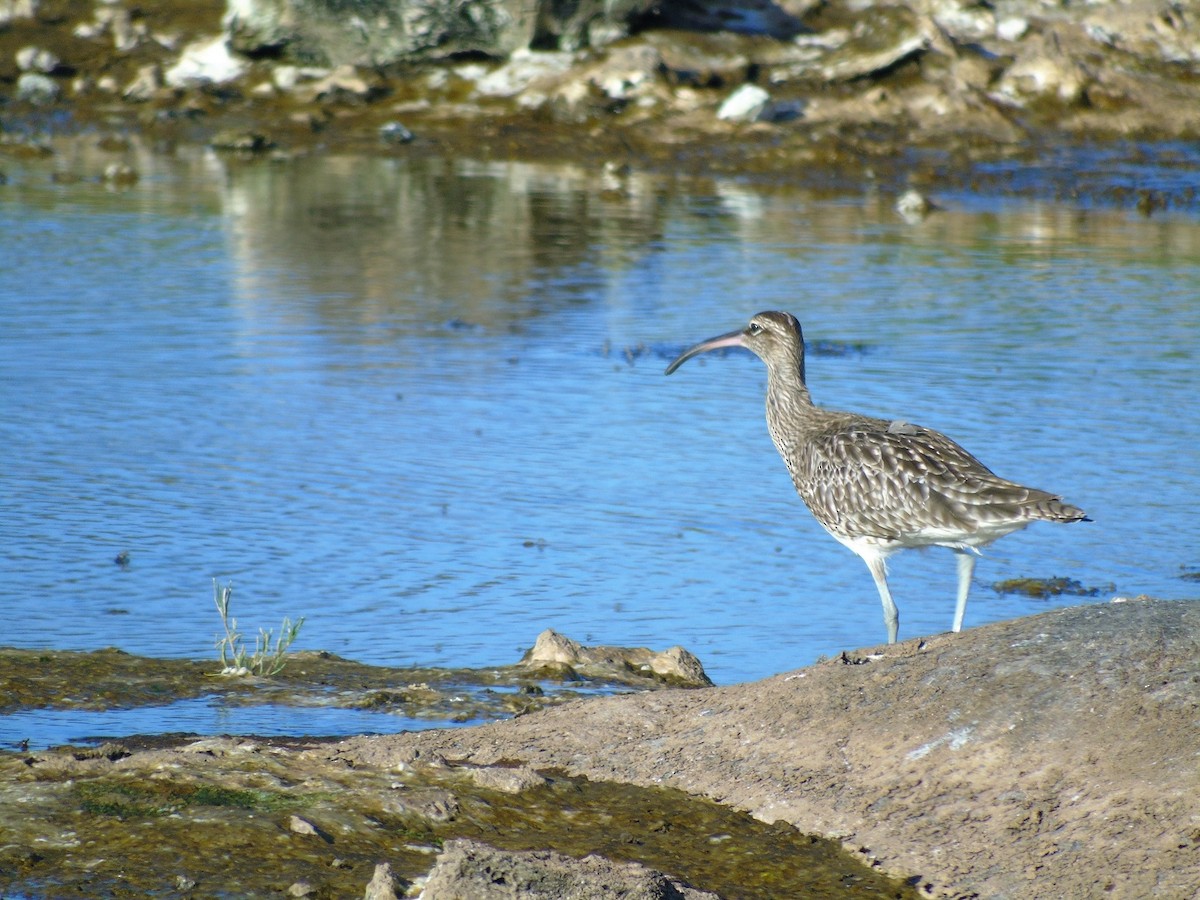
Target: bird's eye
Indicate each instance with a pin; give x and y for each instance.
(754, 328)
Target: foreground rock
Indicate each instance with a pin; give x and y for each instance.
(1049, 756)
(1052, 756)
(225, 817)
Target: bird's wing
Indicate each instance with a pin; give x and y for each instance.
(895, 480)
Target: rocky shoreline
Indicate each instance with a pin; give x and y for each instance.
(1050, 756)
(918, 93)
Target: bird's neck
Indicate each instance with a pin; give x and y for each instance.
(789, 408)
(786, 382)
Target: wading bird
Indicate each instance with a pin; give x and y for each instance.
(879, 486)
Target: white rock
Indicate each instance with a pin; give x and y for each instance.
(206, 61)
(285, 77)
(11, 10)
(36, 88)
(145, 84)
(521, 69)
(126, 33)
(746, 104)
(1042, 74)
(88, 30)
(35, 59)
(972, 23)
(1011, 29)
(914, 206)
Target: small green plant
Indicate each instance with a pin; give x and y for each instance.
(267, 659)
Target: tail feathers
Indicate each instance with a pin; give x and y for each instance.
(1053, 509)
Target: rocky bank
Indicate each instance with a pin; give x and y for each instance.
(900, 92)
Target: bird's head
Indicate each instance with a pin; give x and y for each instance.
(774, 337)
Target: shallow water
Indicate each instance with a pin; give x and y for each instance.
(38, 729)
(422, 404)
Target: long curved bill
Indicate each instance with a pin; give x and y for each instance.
(733, 339)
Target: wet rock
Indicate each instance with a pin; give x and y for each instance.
(1043, 72)
(1012, 28)
(1046, 587)
(914, 206)
(889, 36)
(395, 133)
(468, 868)
(36, 88)
(678, 666)
(758, 17)
(11, 10)
(301, 825)
(36, 59)
(611, 82)
(522, 69)
(145, 85)
(326, 33)
(962, 20)
(750, 103)
(344, 84)
(15, 10)
(207, 61)
(552, 648)
(432, 804)
(712, 60)
(384, 885)
(242, 142)
(508, 780)
(746, 104)
(114, 20)
(120, 175)
(554, 651)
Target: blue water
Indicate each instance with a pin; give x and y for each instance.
(422, 404)
(203, 715)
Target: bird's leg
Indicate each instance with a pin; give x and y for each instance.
(891, 615)
(966, 569)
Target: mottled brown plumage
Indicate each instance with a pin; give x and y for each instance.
(880, 486)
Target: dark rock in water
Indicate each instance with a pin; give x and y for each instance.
(1045, 587)
(242, 142)
(395, 133)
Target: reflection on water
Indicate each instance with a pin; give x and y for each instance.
(421, 403)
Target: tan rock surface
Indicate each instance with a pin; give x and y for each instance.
(1052, 756)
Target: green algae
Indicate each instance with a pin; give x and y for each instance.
(221, 816)
(148, 800)
(699, 841)
(113, 679)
